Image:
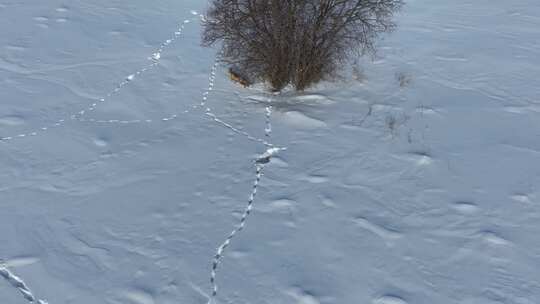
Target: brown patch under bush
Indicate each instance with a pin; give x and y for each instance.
(298, 42)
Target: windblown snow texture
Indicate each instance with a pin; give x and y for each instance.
(128, 158)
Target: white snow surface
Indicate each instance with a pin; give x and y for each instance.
(126, 162)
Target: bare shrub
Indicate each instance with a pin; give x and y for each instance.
(298, 42)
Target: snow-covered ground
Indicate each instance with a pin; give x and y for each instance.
(416, 179)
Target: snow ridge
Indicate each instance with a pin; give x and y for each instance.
(18, 283)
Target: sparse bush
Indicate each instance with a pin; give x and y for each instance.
(298, 42)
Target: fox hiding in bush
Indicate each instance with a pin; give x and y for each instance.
(237, 77)
(294, 42)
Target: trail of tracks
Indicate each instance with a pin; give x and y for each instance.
(18, 283)
(154, 58)
(80, 117)
(240, 227)
(259, 164)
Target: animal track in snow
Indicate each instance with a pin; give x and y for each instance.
(259, 163)
(202, 105)
(240, 227)
(238, 131)
(18, 283)
(154, 58)
(268, 129)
